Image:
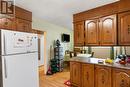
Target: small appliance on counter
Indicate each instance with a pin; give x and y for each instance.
(100, 61)
(122, 59)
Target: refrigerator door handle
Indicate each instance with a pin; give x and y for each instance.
(5, 67)
(4, 46)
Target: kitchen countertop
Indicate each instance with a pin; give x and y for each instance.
(95, 61)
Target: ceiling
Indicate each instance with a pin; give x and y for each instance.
(59, 12)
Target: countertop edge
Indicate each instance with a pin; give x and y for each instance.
(87, 61)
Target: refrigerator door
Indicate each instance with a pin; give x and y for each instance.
(20, 70)
(13, 42)
(32, 42)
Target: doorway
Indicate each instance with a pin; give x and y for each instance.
(42, 52)
(41, 49)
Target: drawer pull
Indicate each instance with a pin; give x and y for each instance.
(6, 23)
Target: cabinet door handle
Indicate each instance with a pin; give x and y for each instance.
(103, 79)
(78, 35)
(122, 84)
(87, 76)
(75, 72)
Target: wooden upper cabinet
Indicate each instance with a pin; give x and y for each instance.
(108, 30)
(102, 31)
(7, 23)
(87, 75)
(23, 25)
(20, 21)
(75, 72)
(23, 13)
(103, 76)
(124, 28)
(123, 5)
(121, 78)
(79, 33)
(23, 19)
(91, 32)
(109, 26)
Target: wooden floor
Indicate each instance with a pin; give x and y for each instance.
(56, 80)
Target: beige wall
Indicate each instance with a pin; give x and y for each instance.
(104, 52)
(128, 51)
(53, 33)
(101, 52)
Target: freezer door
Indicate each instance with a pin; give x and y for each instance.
(32, 42)
(20, 70)
(13, 42)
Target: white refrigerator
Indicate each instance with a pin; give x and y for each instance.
(18, 59)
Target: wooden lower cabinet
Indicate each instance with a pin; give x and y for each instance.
(121, 78)
(93, 75)
(75, 72)
(87, 75)
(103, 76)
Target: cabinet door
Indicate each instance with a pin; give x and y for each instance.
(79, 34)
(27, 26)
(23, 13)
(87, 75)
(7, 23)
(91, 32)
(108, 30)
(121, 78)
(124, 28)
(18, 74)
(75, 74)
(2, 22)
(23, 25)
(103, 76)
